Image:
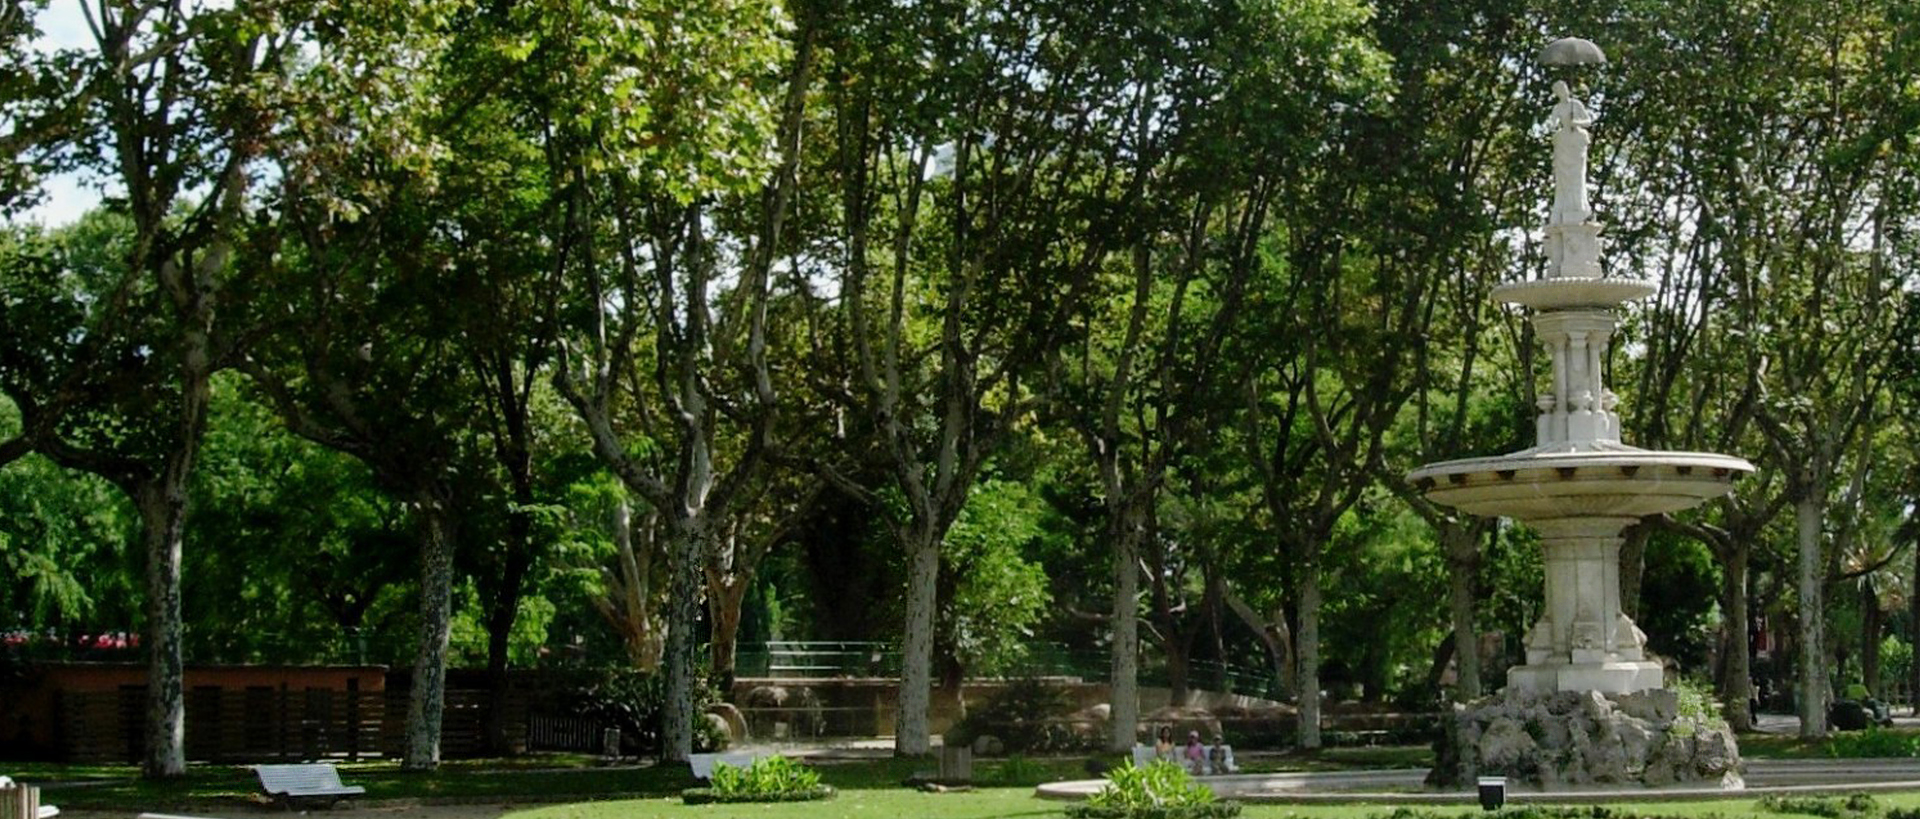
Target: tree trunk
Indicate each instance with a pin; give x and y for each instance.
(1215, 584)
(504, 610)
(725, 599)
(1179, 651)
(1913, 620)
(1813, 642)
(163, 521)
(1462, 546)
(163, 511)
(1870, 626)
(1273, 635)
(1736, 681)
(1443, 652)
(1125, 682)
(427, 700)
(628, 603)
(683, 607)
(1633, 564)
(911, 733)
(1307, 656)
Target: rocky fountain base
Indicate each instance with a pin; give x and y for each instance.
(1554, 740)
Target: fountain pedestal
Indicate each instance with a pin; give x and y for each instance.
(1584, 642)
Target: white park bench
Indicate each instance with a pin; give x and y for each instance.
(317, 780)
(23, 802)
(702, 764)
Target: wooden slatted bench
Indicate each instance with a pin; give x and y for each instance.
(317, 780)
(23, 802)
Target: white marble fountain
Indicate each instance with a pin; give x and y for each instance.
(1579, 487)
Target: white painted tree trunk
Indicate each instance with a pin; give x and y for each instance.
(912, 736)
(1125, 684)
(683, 605)
(163, 518)
(163, 507)
(1813, 638)
(1307, 657)
(427, 700)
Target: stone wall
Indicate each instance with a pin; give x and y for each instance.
(1575, 738)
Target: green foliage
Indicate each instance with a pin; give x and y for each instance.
(1874, 742)
(1025, 716)
(637, 702)
(1896, 660)
(1852, 806)
(768, 779)
(768, 774)
(1159, 784)
(999, 593)
(1211, 810)
(304, 536)
(1682, 575)
(1697, 701)
(1018, 771)
(63, 539)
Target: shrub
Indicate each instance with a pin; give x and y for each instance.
(1854, 806)
(636, 703)
(706, 796)
(1019, 770)
(1211, 810)
(1697, 702)
(1161, 790)
(1896, 660)
(768, 779)
(1873, 742)
(1025, 716)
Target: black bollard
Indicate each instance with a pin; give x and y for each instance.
(1493, 792)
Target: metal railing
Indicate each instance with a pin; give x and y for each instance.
(814, 660)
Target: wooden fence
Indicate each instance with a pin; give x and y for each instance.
(552, 732)
(264, 724)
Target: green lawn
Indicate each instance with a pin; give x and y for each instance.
(579, 789)
(996, 803)
(120, 788)
(547, 778)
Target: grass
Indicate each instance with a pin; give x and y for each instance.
(547, 778)
(869, 789)
(1007, 803)
(109, 787)
(1788, 746)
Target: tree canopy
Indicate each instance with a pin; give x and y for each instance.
(513, 335)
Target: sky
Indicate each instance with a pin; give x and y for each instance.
(67, 195)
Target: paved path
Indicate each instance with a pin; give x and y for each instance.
(1763, 777)
(1790, 723)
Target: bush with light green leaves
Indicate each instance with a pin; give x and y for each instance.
(1161, 790)
(768, 779)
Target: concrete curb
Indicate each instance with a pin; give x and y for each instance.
(1806, 777)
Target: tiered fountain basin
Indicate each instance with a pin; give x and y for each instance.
(1569, 293)
(1545, 483)
(1580, 498)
